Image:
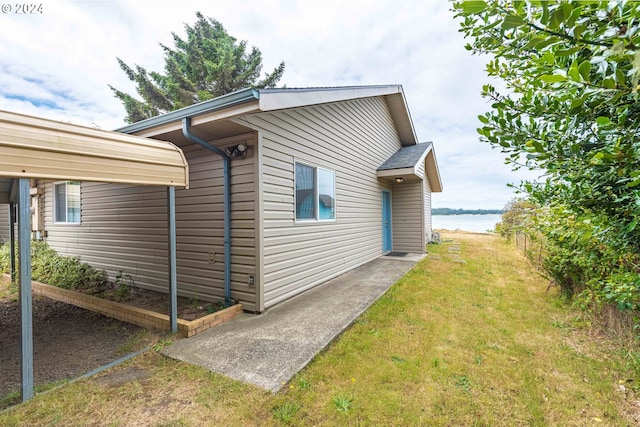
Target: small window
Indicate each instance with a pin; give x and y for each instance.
(66, 202)
(315, 193)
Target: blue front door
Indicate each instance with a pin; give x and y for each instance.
(386, 221)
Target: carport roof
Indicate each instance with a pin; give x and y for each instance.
(33, 147)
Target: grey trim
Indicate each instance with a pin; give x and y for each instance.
(219, 103)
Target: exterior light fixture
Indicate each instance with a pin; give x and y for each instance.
(399, 180)
(238, 149)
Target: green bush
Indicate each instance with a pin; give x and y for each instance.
(585, 256)
(516, 217)
(56, 270)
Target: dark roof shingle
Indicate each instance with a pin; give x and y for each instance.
(406, 157)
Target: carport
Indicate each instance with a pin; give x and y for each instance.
(32, 148)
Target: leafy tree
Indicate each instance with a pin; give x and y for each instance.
(209, 63)
(516, 217)
(570, 108)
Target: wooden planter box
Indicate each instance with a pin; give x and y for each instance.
(138, 316)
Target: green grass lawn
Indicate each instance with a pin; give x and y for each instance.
(451, 344)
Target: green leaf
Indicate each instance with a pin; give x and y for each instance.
(547, 42)
(483, 119)
(609, 83)
(557, 17)
(533, 43)
(549, 58)
(544, 19)
(539, 148)
(585, 69)
(573, 72)
(633, 183)
(573, 16)
(512, 21)
(577, 102)
(553, 78)
(472, 7)
(568, 52)
(603, 121)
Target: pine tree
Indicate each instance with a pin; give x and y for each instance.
(208, 64)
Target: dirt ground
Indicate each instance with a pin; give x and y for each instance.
(188, 308)
(67, 341)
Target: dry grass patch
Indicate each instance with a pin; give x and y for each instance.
(475, 343)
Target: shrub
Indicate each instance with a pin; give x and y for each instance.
(516, 217)
(583, 254)
(56, 270)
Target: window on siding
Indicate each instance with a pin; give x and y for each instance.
(315, 193)
(66, 202)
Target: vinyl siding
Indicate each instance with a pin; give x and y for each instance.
(124, 227)
(407, 217)
(4, 223)
(351, 138)
(426, 197)
(428, 227)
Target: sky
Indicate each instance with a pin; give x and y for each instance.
(57, 63)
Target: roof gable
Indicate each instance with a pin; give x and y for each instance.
(263, 100)
(406, 161)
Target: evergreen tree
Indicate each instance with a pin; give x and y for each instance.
(209, 63)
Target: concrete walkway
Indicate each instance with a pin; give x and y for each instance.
(268, 349)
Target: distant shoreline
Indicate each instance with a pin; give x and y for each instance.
(449, 211)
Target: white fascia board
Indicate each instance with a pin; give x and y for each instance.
(274, 99)
(396, 172)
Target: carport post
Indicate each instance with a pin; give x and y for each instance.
(173, 286)
(26, 326)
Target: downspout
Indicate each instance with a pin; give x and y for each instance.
(186, 130)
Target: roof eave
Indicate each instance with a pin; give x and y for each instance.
(401, 116)
(433, 172)
(220, 103)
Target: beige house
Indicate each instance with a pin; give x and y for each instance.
(4, 223)
(321, 180)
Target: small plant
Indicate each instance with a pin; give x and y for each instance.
(463, 382)
(560, 325)
(193, 302)
(397, 359)
(122, 286)
(160, 345)
(343, 404)
(215, 306)
(304, 384)
(285, 412)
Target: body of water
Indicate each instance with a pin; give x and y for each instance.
(477, 223)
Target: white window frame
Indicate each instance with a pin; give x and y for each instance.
(316, 197)
(66, 200)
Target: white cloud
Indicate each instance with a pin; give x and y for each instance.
(64, 58)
